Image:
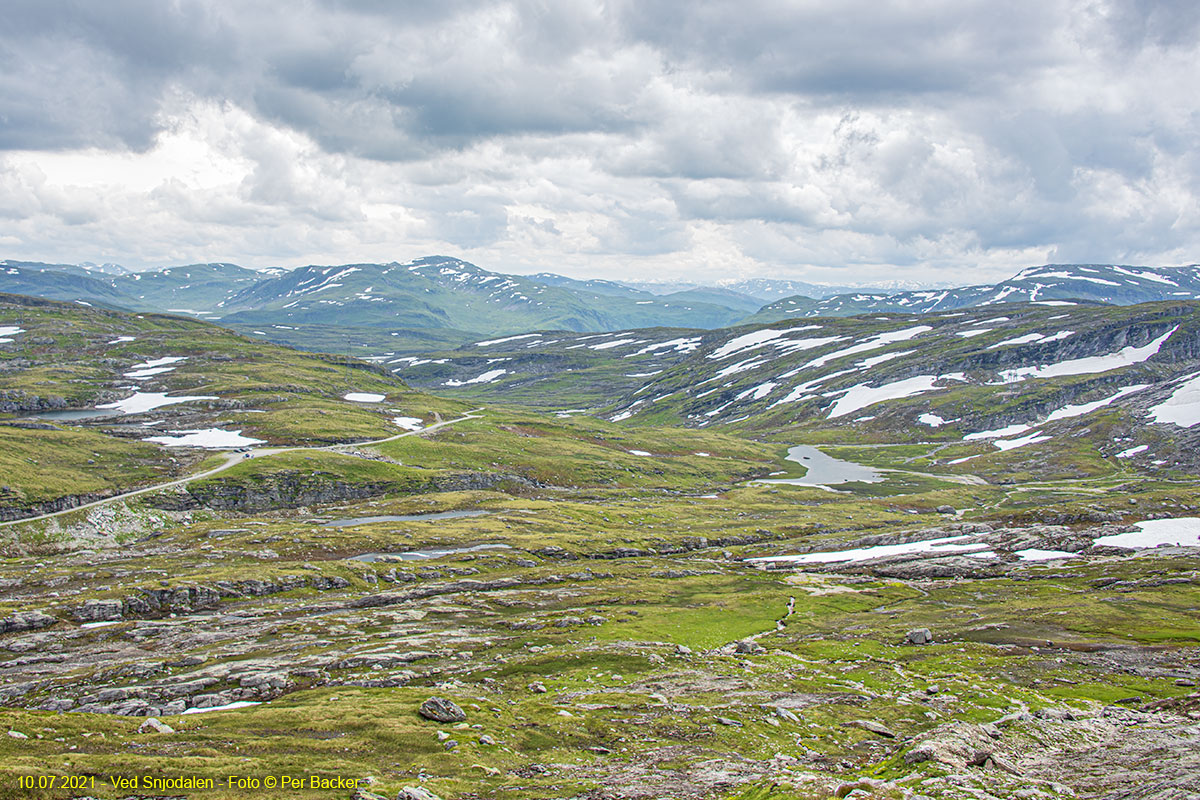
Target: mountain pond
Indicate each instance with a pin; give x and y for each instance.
(824, 470)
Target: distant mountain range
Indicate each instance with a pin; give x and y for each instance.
(1053, 283)
(770, 289)
(314, 305)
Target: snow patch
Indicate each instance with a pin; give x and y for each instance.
(140, 402)
(487, 377)
(1181, 531)
(935, 547)
(1182, 408)
(862, 395)
(508, 339)
(213, 438)
(1124, 357)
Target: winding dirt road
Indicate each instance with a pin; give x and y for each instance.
(237, 458)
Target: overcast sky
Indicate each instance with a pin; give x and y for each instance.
(827, 140)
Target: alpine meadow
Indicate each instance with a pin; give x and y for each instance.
(599, 400)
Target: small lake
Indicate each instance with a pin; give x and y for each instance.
(421, 555)
(345, 523)
(79, 413)
(824, 470)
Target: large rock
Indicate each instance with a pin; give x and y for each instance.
(439, 709)
(918, 636)
(154, 725)
(416, 793)
(956, 745)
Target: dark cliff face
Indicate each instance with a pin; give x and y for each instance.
(292, 489)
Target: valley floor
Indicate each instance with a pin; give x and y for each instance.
(621, 636)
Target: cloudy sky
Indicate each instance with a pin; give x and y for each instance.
(827, 140)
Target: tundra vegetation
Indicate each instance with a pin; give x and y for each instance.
(610, 598)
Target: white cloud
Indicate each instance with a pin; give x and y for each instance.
(944, 141)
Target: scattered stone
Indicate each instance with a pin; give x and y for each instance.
(416, 793)
(727, 721)
(487, 740)
(154, 725)
(945, 509)
(783, 713)
(868, 785)
(918, 636)
(17, 735)
(682, 650)
(363, 794)
(873, 727)
(748, 647)
(537, 687)
(439, 709)
(450, 744)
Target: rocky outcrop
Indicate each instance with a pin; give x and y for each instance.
(98, 611)
(26, 621)
(66, 502)
(294, 488)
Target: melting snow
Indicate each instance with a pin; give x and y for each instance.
(508, 339)
(747, 341)
(741, 366)
(119, 339)
(1182, 407)
(935, 547)
(616, 343)
(873, 343)
(1013, 444)
(408, 423)
(1034, 554)
(226, 707)
(973, 332)
(1133, 451)
(1034, 337)
(678, 345)
(209, 437)
(1182, 531)
(639, 452)
(10, 330)
(1125, 357)
(1009, 430)
(932, 420)
(364, 397)
(861, 396)
(486, 377)
(140, 402)
(1067, 412)
(757, 392)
